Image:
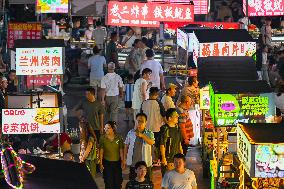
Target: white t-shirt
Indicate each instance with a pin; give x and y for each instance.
(168, 102)
(99, 35)
(175, 180)
(137, 98)
(111, 82)
(156, 68)
(279, 102)
(130, 40)
(96, 64)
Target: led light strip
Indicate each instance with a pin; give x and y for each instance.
(20, 167)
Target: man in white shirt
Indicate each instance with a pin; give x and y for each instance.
(180, 177)
(99, 34)
(112, 88)
(167, 99)
(157, 77)
(129, 38)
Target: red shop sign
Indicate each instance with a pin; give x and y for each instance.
(212, 25)
(265, 7)
(147, 14)
(41, 80)
(200, 6)
(23, 31)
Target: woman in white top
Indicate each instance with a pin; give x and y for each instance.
(89, 33)
(140, 92)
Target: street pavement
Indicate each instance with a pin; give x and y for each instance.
(75, 92)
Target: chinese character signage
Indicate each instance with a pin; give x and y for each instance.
(41, 80)
(39, 61)
(147, 14)
(29, 121)
(264, 7)
(244, 149)
(52, 6)
(269, 161)
(200, 6)
(229, 109)
(227, 49)
(182, 39)
(23, 31)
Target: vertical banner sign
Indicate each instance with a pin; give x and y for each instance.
(147, 14)
(182, 39)
(265, 7)
(37, 61)
(52, 6)
(28, 121)
(23, 31)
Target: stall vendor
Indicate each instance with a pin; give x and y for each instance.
(52, 142)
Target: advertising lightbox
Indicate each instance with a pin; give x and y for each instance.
(147, 14)
(39, 61)
(29, 121)
(229, 109)
(204, 98)
(52, 6)
(264, 7)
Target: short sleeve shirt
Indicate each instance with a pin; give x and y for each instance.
(96, 64)
(92, 112)
(111, 82)
(175, 180)
(111, 148)
(156, 71)
(168, 102)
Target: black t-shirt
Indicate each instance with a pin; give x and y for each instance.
(171, 138)
(133, 184)
(11, 88)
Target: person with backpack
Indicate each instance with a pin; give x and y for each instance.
(170, 140)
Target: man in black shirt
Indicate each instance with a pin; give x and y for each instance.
(12, 82)
(140, 182)
(170, 140)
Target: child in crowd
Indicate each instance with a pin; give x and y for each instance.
(140, 182)
(128, 91)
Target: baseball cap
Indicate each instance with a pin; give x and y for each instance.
(171, 86)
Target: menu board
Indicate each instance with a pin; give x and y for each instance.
(229, 109)
(28, 121)
(269, 161)
(37, 61)
(23, 31)
(52, 6)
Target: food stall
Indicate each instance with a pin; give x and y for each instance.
(232, 102)
(260, 148)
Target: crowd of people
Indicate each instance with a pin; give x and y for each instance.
(161, 129)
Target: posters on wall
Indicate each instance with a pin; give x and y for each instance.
(52, 6)
(37, 61)
(147, 14)
(29, 121)
(23, 31)
(229, 109)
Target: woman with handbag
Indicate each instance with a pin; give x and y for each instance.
(111, 157)
(87, 148)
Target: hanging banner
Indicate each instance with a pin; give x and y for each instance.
(23, 31)
(29, 121)
(182, 39)
(37, 61)
(52, 6)
(147, 14)
(200, 6)
(264, 7)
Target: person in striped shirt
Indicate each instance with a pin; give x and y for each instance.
(128, 93)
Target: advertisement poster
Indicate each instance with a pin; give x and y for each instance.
(204, 98)
(29, 121)
(182, 39)
(269, 161)
(52, 6)
(147, 14)
(228, 109)
(38, 61)
(23, 31)
(41, 80)
(227, 49)
(244, 150)
(265, 7)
